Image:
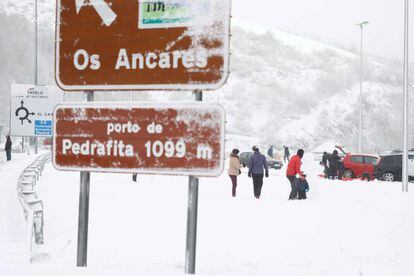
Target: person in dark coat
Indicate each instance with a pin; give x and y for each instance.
(333, 162)
(256, 165)
(325, 157)
(292, 170)
(270, 151)
(341, 169)
(8, 147)
(287, 154)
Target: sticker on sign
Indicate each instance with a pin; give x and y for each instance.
(185, 139)
(174, 13)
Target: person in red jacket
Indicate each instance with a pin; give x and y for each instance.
(293, 169)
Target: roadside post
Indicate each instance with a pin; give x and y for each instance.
(35, 64)
(192, 213)
(177, 46)
(405, 178)
(83, 218)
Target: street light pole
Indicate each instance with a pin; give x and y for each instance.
(361, 25)
(405, 102)
(35, 71)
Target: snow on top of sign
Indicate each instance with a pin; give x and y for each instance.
(210, 22)
(219, 15)
(188, 116)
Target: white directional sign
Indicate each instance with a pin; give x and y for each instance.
(102, 8)
(31, 112)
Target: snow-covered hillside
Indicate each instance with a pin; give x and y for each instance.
(283, 88)
(291, 90)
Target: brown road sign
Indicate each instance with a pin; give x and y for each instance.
(142, 44)
(185, 139)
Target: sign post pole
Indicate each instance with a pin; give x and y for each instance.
(83, 219)
(405, 100)
(35, 56)
(192, 211)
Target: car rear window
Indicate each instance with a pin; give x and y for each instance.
(371, 160)
(387, 159)
(397, 159)
(356, 159)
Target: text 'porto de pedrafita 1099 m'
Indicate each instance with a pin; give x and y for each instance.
(185, 139)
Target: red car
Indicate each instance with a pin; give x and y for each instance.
(355, 165)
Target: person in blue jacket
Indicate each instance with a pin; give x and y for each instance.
(270, 151)
(257, 165)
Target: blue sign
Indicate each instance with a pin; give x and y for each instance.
(43, 127)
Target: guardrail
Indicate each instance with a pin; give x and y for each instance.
(32, 205)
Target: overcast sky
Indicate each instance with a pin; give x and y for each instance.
(334, 21)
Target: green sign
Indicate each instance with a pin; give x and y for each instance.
(170, 13)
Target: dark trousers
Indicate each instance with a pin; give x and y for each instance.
(333, 172)
(302, 195)
(326, 171)
(8, 155)
(134, 177)
(286, 158)
(294, 186)
(234, 184)
(257, 184)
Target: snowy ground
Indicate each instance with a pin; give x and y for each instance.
(345, 228)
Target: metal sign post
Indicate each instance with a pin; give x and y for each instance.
(35, 57)
(83, 219)
(192, 211)
(405, 102)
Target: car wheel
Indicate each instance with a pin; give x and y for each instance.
(388, 176)
(348, 174)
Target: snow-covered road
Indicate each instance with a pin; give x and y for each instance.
(344, 228)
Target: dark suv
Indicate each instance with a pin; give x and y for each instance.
(271, 162)
(389, 167)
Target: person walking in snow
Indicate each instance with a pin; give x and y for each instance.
(324, 162)
(270, 151)
(256, 165)
(292, 170)
(8, 147)
(234, 169)
(333, 164)
(287, 154)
